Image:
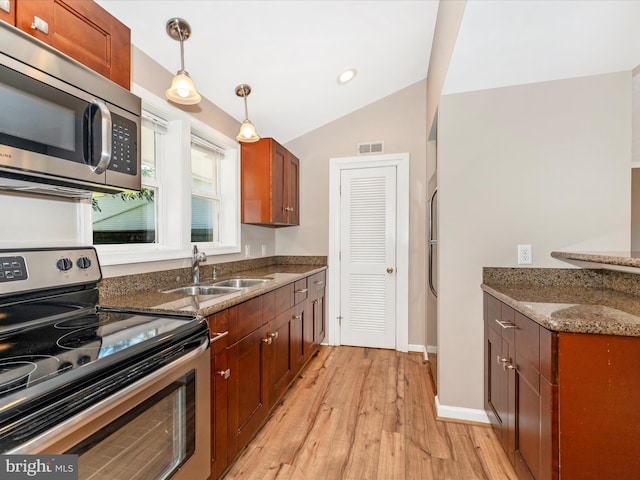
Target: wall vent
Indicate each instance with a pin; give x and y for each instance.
(371, 147)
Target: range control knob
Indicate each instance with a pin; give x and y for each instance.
(83, 263)
(64, 264)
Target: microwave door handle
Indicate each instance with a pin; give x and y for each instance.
(105, 135)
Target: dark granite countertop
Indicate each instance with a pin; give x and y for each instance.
(620, 259)
(577, 301)
(155, 301)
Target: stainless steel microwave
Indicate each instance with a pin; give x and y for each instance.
(62, 123)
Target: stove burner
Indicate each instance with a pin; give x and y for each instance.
(76, 323)
(16, 372)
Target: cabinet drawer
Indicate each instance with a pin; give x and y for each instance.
(248, 317)
(528, 340)
(268, 306)
(549, 355)
(283, 299)
(300, 291)
(219, 323)
(317, 280)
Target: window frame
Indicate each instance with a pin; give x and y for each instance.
(174, 175)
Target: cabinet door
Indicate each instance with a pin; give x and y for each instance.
(220, 373)
(84, 31)
(292, 182)
(248, 388)
(279, 163)
(10, 15)
(281, 366)
(318, 304)
(219, 382)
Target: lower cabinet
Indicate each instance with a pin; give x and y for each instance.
(317, 290)
(269, 340)
(220, 373)
(564, 405)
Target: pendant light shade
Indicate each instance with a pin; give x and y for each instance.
(247, 130)
(182, 89)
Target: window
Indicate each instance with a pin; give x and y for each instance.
(191, 193)
(131, 217)
(205, 190)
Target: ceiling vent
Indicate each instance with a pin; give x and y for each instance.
(371, 147)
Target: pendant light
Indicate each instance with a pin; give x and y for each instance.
(182, 89)
(247, 130)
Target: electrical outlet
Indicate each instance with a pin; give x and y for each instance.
(247, 251)
(524, 255)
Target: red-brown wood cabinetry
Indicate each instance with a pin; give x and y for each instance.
(220, 373)
(270, 338)
(83, 30)
(9, 15)
(270, 180)
(573, 398)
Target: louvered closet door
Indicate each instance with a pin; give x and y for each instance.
(368, 245)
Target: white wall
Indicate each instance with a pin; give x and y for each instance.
(546, 164)
(400, 121)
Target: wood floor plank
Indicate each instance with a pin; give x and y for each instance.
(355, 414)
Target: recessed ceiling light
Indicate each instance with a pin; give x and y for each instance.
(347, 76)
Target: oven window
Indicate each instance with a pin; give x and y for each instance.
(149, 442)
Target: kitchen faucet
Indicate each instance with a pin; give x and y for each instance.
(196, 258)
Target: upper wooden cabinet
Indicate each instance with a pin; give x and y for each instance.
(270, 184)
(81, 29)
(8, 12)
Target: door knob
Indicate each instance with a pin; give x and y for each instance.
(389, 269)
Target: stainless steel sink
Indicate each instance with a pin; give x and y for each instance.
(241, 282)
(201, 290)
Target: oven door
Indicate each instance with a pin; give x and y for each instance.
(156, 428)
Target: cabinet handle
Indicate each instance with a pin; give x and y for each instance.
(302, 290)
(5, 5)
(297, 317)
(505, 325)
(268, 340)
(507, 365)
(274, 335)
(225, 373)
(288, 209)
(318, 282)
(41, 25)
(315, 302)
(218, 336)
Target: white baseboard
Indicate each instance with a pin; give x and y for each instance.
(432, 349)
(446, 412)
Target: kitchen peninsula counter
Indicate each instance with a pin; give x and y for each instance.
(139, 293)
(570, 300)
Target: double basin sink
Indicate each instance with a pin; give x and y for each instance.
(223, 287)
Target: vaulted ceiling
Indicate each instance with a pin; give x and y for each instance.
(291, 51)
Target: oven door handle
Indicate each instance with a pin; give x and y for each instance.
(55, 440)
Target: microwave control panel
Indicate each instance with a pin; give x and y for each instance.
(124, 146)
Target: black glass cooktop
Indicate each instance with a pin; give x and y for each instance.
(49, 338)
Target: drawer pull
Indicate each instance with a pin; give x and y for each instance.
(5, 5)
(302, 290)
(268, 340)
(274, 335)
(318, 282)
(41, 25)
(225, 373)
(506, 364)
(218, 336)
(505, 325)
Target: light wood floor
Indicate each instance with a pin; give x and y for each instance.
(358, 414)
